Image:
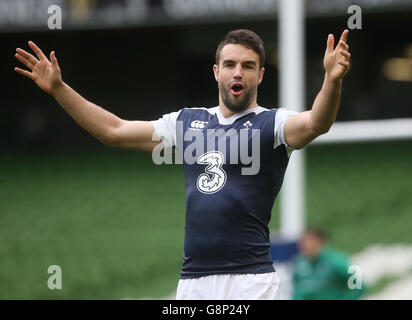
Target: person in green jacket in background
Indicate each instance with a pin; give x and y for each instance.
(322, 273)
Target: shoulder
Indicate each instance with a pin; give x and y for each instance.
(194, 111)
(338, 259)
(280, 114)
(196, 114)
(266, 115)
(264, 111)
(284, 114)
(335, 254)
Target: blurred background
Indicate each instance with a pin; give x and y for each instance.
(112, 219)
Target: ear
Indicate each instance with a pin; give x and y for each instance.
(261, 73)
(216, 71)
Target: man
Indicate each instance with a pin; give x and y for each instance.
(320, 272)
(229, 196)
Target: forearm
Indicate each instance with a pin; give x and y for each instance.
(97, 121)
(304, 127)
(326, 105)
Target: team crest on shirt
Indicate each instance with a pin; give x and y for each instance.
(247, 124)
(214, 177)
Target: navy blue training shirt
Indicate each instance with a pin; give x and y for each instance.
(234, 168)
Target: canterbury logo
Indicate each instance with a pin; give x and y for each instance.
(197, 124)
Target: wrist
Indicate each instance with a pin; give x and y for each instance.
(332, 80)
(56, 90)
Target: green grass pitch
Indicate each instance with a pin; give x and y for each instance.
(114, 221)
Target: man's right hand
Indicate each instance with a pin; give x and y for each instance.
(45, 74)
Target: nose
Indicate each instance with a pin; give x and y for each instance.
(238, 74)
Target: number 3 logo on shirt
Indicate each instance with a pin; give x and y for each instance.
(214, 177)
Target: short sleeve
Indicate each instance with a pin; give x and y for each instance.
(280, 119)
(165, 128)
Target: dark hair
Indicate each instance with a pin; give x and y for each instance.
(318, 233)
(246, 38)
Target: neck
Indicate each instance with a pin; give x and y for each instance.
(226, 112)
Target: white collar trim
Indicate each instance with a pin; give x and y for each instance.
(233, 118)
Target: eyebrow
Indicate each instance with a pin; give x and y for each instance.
(248, 62)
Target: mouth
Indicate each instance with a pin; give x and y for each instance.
(237, 88)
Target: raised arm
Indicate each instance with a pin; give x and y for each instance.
(306, 126)
(105, 126)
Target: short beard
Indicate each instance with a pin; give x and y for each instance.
(238, 105)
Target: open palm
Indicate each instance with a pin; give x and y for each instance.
(336, 61)
(46, 74)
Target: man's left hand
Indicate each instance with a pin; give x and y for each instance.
(337, 61)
